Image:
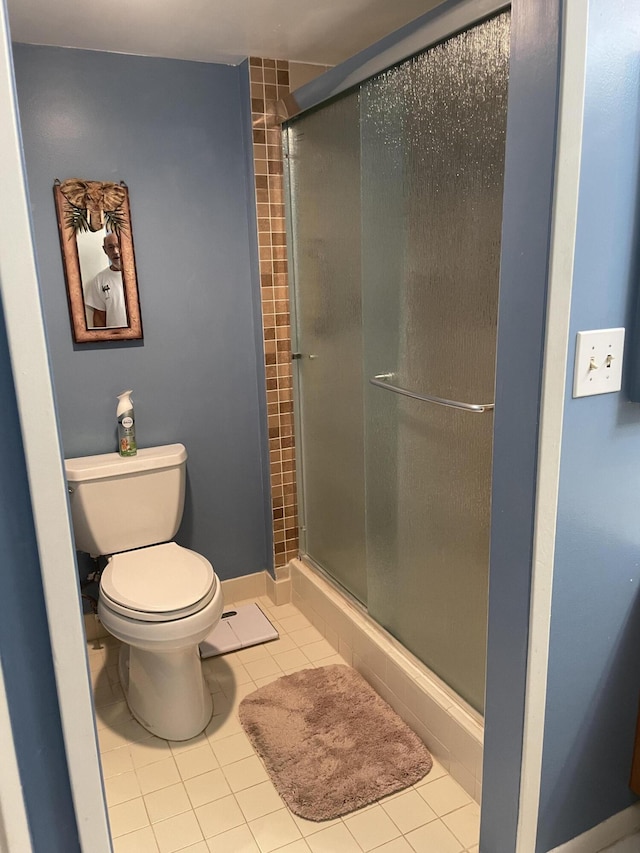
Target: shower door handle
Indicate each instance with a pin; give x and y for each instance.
(382, 380)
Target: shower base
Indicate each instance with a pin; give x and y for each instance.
(452, 730)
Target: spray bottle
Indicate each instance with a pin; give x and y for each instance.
(126, 425)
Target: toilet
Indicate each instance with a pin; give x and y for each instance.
(160, 599)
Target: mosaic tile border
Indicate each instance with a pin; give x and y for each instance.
(269, 81)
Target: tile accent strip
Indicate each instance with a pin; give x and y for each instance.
(269, 81)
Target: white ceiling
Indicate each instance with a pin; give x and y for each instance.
(323, 32)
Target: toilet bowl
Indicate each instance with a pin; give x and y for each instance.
(159, 600)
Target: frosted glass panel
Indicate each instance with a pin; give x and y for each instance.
(395, 207)
(433, 132)
(324, 174)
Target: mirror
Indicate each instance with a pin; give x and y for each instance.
(94, 221)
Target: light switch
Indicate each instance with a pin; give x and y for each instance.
(598, 366)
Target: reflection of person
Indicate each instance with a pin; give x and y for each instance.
(105, 292)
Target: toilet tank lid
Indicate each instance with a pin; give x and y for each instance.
(83, 468)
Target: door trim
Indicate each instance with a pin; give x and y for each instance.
(563, 237)
(43, 456)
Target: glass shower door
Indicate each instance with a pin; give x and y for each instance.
(324, 182)
(433, 133)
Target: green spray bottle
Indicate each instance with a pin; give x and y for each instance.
(126, 425)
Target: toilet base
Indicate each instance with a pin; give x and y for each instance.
(166, 691)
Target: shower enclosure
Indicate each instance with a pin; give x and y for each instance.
(395, 206)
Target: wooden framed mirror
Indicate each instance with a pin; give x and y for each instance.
(96, 239)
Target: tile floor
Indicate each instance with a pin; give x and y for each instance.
(212, 794)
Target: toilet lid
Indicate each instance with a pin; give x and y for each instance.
(159, 583)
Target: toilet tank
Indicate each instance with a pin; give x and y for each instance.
(119, 503)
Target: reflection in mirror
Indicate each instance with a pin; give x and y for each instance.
(97, 250)
(101, 276)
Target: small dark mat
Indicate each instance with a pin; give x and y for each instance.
(330, 743)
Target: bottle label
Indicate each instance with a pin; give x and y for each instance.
(127, 434)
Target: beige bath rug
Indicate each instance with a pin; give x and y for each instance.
(330, 743)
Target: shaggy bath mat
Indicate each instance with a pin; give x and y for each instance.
(330, 743)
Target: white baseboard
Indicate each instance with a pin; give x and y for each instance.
(604, 834)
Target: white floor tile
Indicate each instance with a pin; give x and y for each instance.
(238, 840)
(196, 761)
(243, 774)
(408, 811)
(252, 653)
(160, 774)
(259, 800)
(123, 732)
(121, 788)
(332, 661)
(274, 830)
(230, 749)
(318, 651)
(167, 803)
(465, 824)
(372, 828)
(398, 845)
(110, 716)
(291, 659)
(140, 841)
(238, 674)
(336, 838)
(127, 817)
(263, 667)
(434, 836)
(180, 746)
(207, 787)
(212, 794)
(219, 816)
(116, 761)
(295, 622)
(106, 694)
(309, 827)
(283, 644)
(299, 846)
(305, 636)
(437, 772)
(177, 833)
(444, 795)
(149, 751)
(269, 679)
(222, 726)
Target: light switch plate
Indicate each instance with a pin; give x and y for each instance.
(598, 365)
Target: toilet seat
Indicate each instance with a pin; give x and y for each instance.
(158, 584)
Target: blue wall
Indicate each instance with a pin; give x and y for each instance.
(178, 134)
(24, 644)
(594, 663)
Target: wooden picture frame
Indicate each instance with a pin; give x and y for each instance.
(96, 209)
